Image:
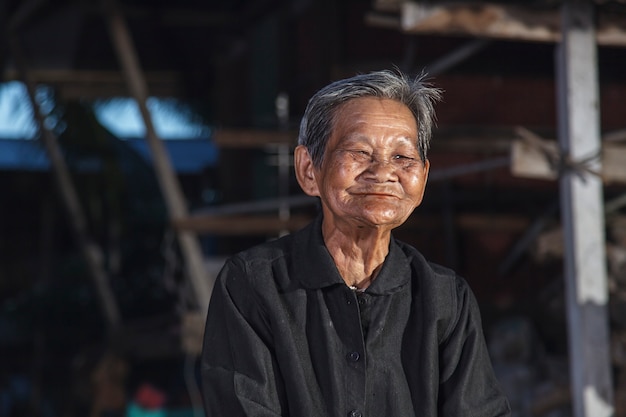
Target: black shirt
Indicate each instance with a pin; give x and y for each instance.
(286, 337)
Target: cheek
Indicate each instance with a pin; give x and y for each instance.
(343, 174)
(415, 188)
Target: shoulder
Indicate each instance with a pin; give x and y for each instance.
(431, 273)
(446, 295)
(268, 268)
(265, 253)
(259, 261)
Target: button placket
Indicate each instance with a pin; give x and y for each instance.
(354, 345)
(351, 297)
(355, 413)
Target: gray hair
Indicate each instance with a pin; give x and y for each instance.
(318, 120)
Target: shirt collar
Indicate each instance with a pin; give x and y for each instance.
(315, 268)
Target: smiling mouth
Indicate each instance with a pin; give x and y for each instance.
(375, 194)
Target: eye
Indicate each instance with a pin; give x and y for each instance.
(360, 154)
(405, 161)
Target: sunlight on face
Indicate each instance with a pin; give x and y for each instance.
(372, 174)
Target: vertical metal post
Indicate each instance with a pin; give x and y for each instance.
(582, 213)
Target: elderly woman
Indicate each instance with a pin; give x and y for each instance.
(340, 319)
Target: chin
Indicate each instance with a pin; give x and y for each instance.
(381, 220)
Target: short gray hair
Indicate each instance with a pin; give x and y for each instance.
(318, 121)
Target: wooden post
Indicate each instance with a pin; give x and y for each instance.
(582, 213)
(90, 250)
(198, 274)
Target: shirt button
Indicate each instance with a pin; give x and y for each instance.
(355, 413)
(353, 356)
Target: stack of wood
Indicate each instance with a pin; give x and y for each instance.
(549, 245)
(616, 254)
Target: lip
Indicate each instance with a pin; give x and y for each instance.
(376, 194)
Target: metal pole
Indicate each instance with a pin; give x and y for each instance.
(582, 214)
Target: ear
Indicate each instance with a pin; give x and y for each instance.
(305, 171)
(425, 170)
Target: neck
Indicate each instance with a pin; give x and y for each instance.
(358, 256)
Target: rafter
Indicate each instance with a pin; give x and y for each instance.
(491, 20)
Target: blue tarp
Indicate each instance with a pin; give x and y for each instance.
(188, 156)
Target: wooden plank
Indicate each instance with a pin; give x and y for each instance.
(484, 20)
(490, 222)
(582, 215)
(200, 279)
(192, 332)
(491, 20)
(250, 138)
(541, 162)
(241, 225)
(613, 167)
(89, 248)
(250, 225)
(482, 143)
(528, 161)
(90, 84)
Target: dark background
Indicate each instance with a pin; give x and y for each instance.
(226, 62)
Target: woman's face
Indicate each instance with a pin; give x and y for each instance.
(372, 174)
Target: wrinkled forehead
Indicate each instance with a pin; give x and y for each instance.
(346, 108)
(365, 113)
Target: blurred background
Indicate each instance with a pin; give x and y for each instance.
(143, 141)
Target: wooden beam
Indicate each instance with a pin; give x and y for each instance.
(90, 84)
(582, 214)
(492, 20)
(490, 222)
(250, 138)
(201, 281)
(478, 144)
(251, 224)
(241, 225)
(482, 20)
(543, 161)
(89, 248)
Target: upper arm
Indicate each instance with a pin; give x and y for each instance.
(238, 364)
(468, 386)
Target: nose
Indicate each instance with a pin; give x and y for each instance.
(381, 170)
